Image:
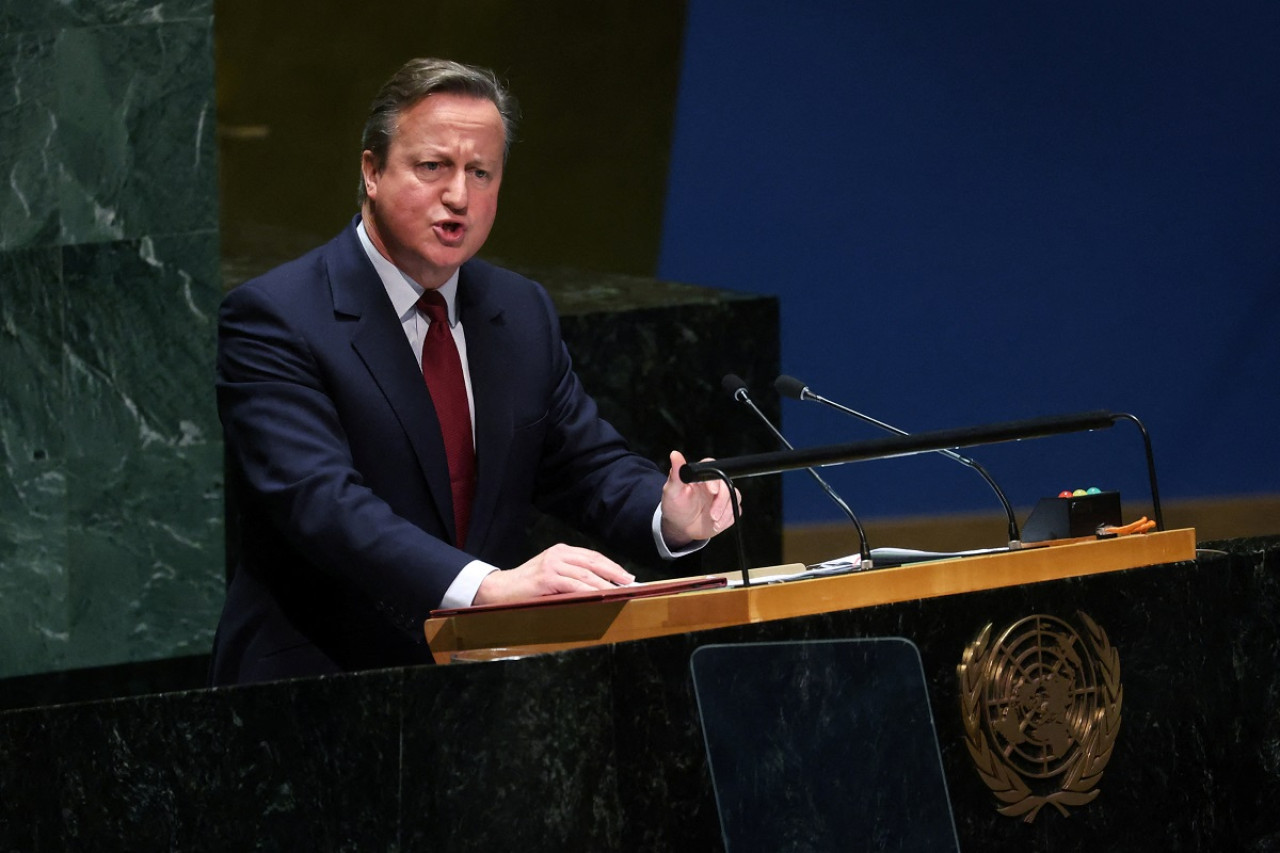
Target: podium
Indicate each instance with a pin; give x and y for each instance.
(602, 747)
(997, 634)
(520, 631)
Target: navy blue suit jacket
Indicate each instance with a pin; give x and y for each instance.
(338, 470)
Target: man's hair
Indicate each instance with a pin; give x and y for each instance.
(419, 78)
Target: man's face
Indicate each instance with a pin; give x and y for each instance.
(431, 206)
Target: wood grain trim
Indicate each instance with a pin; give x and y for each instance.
(592, 623)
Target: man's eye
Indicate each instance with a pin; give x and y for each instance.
(429, 166)
(482, 174)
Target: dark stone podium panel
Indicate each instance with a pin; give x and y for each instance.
(602, 749)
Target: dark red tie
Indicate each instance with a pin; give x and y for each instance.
(442, 368)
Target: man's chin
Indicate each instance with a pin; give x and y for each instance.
(450, 258)
(436, 266)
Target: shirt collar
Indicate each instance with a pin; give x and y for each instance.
(402, 290)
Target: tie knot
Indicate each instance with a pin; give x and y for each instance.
(433, 305)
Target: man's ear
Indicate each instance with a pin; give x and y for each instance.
(369, 173)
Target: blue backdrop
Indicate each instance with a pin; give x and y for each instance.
(988, 211)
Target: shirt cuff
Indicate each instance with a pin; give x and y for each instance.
(665, 552)
(462, 592)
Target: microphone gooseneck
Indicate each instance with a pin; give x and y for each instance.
(738, 390)
(789, 386)
(1151, 466)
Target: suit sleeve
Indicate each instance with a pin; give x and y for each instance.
(588, 476)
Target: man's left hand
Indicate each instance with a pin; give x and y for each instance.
(693, 511)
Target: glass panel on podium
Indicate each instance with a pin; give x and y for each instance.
(823, 745)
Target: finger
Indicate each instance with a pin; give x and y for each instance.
(720, 505)
(595, 569)
(727, 510)
(723, 508)
(676, 458)
(612, 575)
(712, 486)
(568, 578)
(580, 582)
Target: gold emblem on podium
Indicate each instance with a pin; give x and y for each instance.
(1041, 710)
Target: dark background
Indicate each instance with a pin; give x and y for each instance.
(970, 212)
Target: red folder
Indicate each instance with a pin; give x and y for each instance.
(617, 593)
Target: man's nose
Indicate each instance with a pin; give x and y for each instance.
(455, 192)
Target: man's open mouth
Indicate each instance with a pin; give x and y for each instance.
(450, 233)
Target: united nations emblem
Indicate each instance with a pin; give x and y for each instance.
(1041, 709)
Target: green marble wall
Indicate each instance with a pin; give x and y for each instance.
(110, 495)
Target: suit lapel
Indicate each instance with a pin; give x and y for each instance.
(379, 341)
(484, 325)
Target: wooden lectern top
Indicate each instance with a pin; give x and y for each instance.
(587, 623)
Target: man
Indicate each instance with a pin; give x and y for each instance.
(384, 462)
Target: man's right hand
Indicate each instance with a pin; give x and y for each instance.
(560, 568)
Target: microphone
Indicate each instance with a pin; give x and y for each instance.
(789, 386)
(738, 390)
